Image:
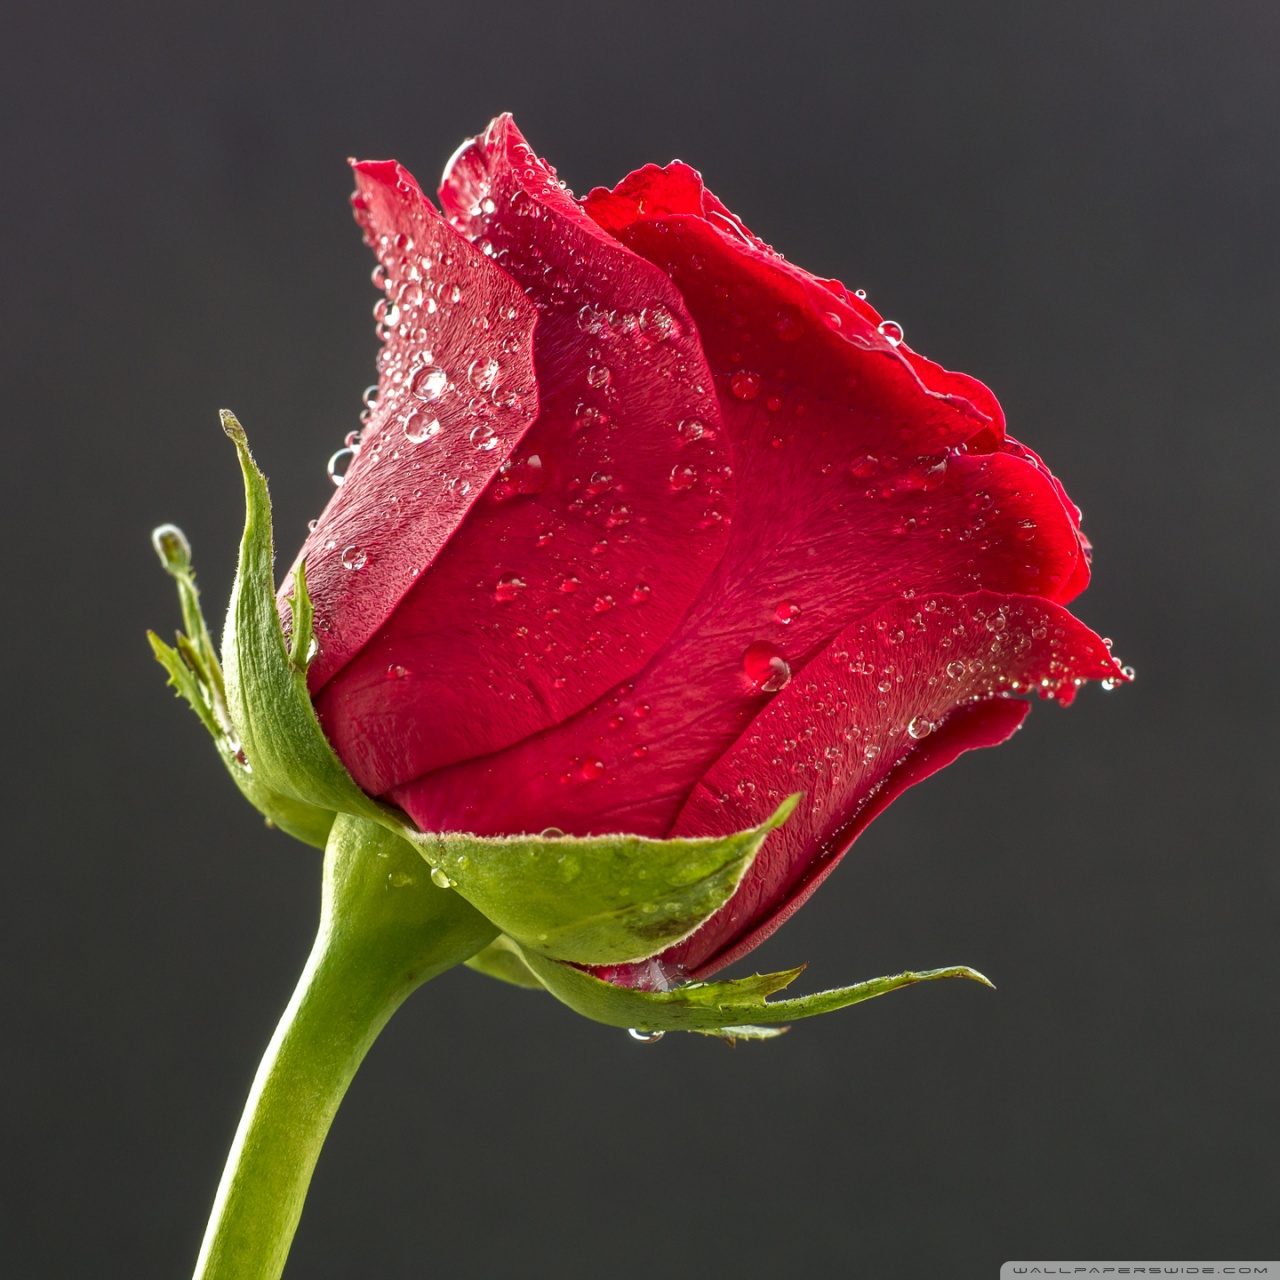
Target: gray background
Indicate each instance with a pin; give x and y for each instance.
(1077, 203)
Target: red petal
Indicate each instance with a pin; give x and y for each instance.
(894, 698)
(654, 196)
(401, 501)
(596, 534)
(847, 496)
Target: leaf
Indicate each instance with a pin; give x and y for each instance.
(599, 899)
(714, 1006)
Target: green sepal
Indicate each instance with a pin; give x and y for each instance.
(725, 1007)
(503, 960)
(599, 899)
(611, 899)
(196, 674)
(266, 684)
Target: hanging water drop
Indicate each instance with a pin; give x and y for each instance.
(336, 466)
(645, 1037)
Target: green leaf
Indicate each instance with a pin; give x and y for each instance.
(713, 1006)
(599, 899)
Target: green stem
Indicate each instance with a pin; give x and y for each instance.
(384, 930)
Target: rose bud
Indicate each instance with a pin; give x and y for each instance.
(645, 530)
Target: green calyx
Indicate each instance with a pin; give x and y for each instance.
(557, 902)
(595, 900)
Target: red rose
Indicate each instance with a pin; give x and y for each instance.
(648, 528)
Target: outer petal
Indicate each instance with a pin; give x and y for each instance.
(891, 700)
(447, 306)
(854, 483)
(653, 195)
(588, 545)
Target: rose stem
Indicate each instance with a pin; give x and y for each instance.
(384, 930)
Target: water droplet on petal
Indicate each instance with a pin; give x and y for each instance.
(354, 557)
(428, 383)
(658, 324)
(745, 385)
(483, 437)
(509, 586)
(683, 476)
(892, 331)
(788, 325)
(692, 429)
(920, 727)
(592, 768)
(955, 670)
(482, 373)
(786, 612)
(641, 593)
(766, 667)
(419, 425)
(598, 375)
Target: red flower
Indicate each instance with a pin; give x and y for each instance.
(648, 528)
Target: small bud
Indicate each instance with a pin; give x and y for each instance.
(173, 549)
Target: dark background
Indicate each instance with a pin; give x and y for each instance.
(1079, 204)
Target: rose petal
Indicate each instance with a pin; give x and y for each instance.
(891, 700)
(653, 195)
(401, 501)
(593, 537)
(847, 496)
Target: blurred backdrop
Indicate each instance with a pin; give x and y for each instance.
(1078, 204)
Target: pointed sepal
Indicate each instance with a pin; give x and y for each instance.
(599, 900)
(266, 681)
(196, 674)
(723, 1007)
